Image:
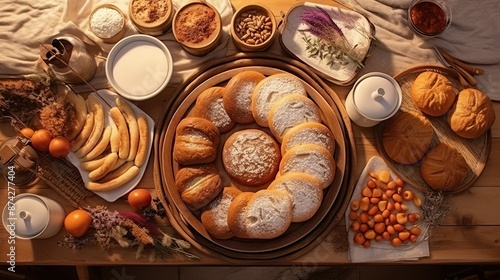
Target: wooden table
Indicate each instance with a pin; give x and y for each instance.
(469, 234)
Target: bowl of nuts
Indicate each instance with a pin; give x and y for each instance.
(253, 28)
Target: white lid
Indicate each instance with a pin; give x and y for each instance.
(31, 216)
(377, 96)
(139, 67)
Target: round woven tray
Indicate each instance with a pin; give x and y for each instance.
(475, 151)
(300, 237)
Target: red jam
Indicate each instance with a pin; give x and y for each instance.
(428, 18)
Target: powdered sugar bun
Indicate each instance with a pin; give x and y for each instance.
(251, 157)
(308, 133)
(236, 214)
(238, 95)
(268, 214)
(305, 191)
(311, 159)
(214, 215)
(271, 89)
(290, 111)
(209, 105)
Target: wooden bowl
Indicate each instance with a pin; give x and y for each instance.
(107, 38)
(151, 26)
(195, 12)
(253, 28)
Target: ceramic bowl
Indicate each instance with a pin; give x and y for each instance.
(107, 22)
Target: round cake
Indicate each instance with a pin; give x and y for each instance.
(251, 157)
(308, 133)
(209, 105)
(238, 95)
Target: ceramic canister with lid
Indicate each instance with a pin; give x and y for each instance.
(33, 216)
(375, 97)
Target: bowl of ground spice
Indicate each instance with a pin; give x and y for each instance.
(253, 28)
(197, 27)
(152, 17)
(107, 22)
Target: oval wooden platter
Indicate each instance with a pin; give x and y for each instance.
(300, 236)
(475, 151)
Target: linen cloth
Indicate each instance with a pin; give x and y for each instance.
(24, 24)
(473, 36)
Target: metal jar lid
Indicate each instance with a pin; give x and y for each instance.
(377, 96)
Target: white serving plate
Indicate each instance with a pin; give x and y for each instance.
(139, 67)
(293, 42)
(384, 250)
(114, 194)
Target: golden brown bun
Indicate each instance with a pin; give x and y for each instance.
(433, 93)
(236, 214)
(311, 159)
(305, 191)
(198, 185)
(214, 215)
(209, 106)
(251, 157)
(290, 111)
(238, 95)
(308, 133)
(472, 115)
(270, 90)
(407, 136)
(196, 141)
(443, 168)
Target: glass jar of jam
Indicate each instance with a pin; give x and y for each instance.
(429, 17)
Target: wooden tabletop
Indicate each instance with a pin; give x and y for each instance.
(470, 233)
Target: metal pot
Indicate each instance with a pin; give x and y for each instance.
(375, 97)
(33, 216)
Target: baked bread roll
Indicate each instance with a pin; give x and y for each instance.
(271, 89)
(209, 106)
(265, 214)
(433, 93)
(472, 115)
(311, 159)
(305, 191)
(308, 133)
(406, 137)
(251, 157)
(290, 111)
(214, 215)
(237, 95)
(443, 168)
(198, 185)
(236, 214)
(196, 141)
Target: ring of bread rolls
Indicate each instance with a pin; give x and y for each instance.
(240, 214)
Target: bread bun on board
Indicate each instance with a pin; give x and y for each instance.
(443, 168)
(407, 137)
(290, 111)
(238, 95)
(214, 215)
(209, 106)
(472, 115)
(196, 141)
(270, 90)
(433, 93)
(198, 185)
(251, 157)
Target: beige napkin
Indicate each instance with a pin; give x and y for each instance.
(473, 36)
(25, 23)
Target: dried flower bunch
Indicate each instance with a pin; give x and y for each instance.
(130, 229)
(330, 42)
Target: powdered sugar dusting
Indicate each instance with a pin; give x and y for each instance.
(273, 88)
(217, 114)
(312, 162)
(313, 135)
(291, 111)
(266, 214)
(253, 155)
